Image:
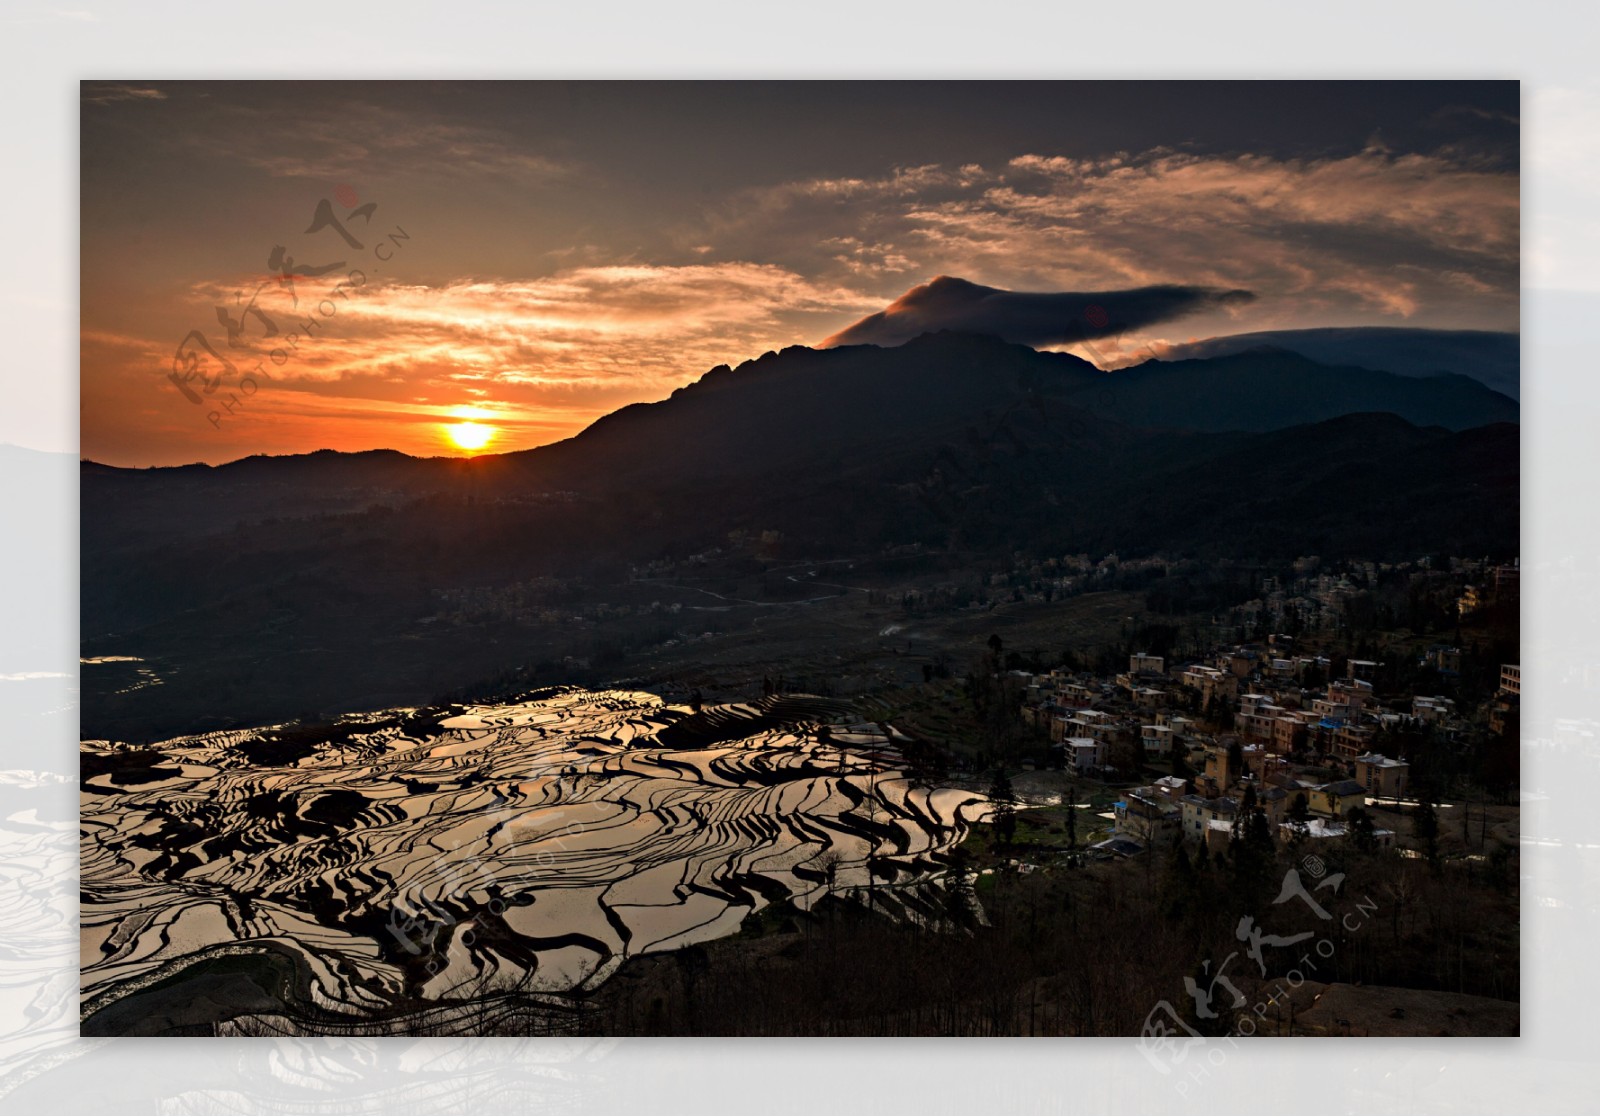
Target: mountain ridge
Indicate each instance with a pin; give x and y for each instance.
(1261, 388)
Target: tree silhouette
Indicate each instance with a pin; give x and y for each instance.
(1004, 818)
(1425, 826)
(1363, 835)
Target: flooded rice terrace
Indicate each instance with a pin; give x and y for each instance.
(418, 859)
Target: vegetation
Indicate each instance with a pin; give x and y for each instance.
(1083, 952)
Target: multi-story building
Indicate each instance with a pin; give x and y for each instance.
(1156, 739)
(1356, 693)
(1351, 740)
(1145, 664)
(1211, 682)
(1084, 753)
(1147, 816)
(1289, 733)
(1363, 669)
(1511, 679)
(1382, 776)
(1432, 709)
(1200, 813)
(1334, 800)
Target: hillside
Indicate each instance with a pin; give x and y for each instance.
(322, 578)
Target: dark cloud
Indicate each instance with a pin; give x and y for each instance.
(1030, 318)
(1490, 357)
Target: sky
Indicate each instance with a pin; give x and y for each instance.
(281, 267)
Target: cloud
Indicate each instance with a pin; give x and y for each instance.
(541, 358)
(99, 93)
(648, 326)
(331, 137)
(1473, 112)
(1365, 236)
(357, 140)
(612, 314)
(1030, 319)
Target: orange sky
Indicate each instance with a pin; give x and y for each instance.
(538, 255)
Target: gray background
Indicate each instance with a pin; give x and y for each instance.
(44, 1068)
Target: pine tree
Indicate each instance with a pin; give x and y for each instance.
(1363, 835)
(1004, 817)
(1425, 827)
(1299, 818)
(957, 906)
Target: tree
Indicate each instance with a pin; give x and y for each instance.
(1247, 806)
(1299, 819)
(1004, 816)
(1259, 834)
(1425, 826)
(1179, 758)
(1363, 834)
(957, 906)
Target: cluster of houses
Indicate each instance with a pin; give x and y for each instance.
(1168, 810)
(1293, 736)
(1496, 584)
(1313, 599)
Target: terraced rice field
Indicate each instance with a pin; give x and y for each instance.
(421, 860)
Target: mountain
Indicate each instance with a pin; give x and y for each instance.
(803, 412)
(804, 407)
(1268, 388)
(1492, 358)
(269, 586)
(792, 409)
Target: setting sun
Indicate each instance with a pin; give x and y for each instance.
(469, 435)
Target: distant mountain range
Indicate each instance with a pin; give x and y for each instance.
(1492, 358)
(1044, 319)
(810, 418)
(265, 574)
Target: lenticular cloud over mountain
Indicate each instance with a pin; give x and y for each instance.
(1029, 318)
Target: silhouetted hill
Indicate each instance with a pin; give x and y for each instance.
(1491, 357)
(846, 406)
(1267, 388)
(895, 438)
(804, 407)
(320, 579)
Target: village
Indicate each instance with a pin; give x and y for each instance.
(1256, 737)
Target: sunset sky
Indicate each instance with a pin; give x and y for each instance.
(537, 254)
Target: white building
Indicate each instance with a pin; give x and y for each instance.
(1084, 753)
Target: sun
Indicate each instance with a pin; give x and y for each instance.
(469, 435)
